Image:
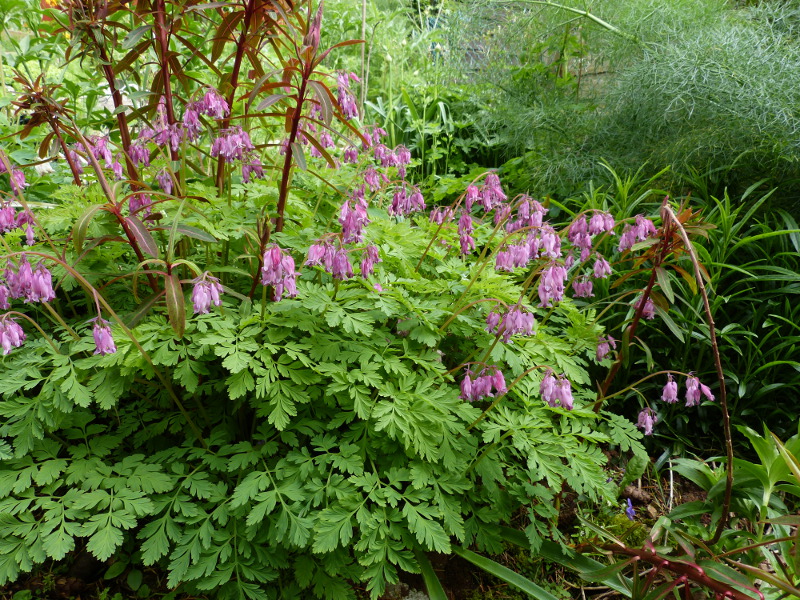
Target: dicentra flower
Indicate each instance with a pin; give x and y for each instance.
(206, 291)
(556, 390)
(670, 392)
(605, 343)
(370, 257)
(104, 343)
(278, 270)
(647, 419)
(601, 268)
(11, 334)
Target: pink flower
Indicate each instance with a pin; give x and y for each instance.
(164, 180)
(465, 229)
(347, 101)
(341, 268)
(551, 243)
(556, 391)
(604, 346)
(5, 294)
(351, 155)
(583, 287)
(11, 334)
(252, 167)
(8, 217)
(692, 391)
(403, 155)
(489, 382)
(232, 144)
(704, 389)
(206, 291)
(18, 181)
(104, 343)
(470, 196)
(600, 222)
(212, 104)
(515, 322)
(139, 154)
(647, 418)
(191, 123)
(649, 310)
(372, 180)
(551, 285)
(140, 203)
(670, 392)
(371, 256)
(547, 388)
(601, 268)
(278, 270)
(441, 215)
(492, 192)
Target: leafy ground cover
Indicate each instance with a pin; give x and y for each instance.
(254, 346)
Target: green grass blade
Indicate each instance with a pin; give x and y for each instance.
(432, 583)
(504, 573)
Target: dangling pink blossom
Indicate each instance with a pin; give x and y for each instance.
(353, 218)
(551, 285)
(403, 155)
(490, 382)
(551, 243)
(670, 392)
(372, 180)
(278, 270)
(252, 167)
(441, 215)
(207, 291)
(139, 154)
(583, 287)
(644, 228)
(104, 343)
(164, 180)
(706, 391)
(232, 144)
(465, 229)
(321, 254)
(647, 419)
(370, 257)
(347, 101)
(213, 105)
(471, 195)
(649, 310)
(492, 192)
(376, 134)
(692, 391)
(191, 123)
(11, 334)
(18, 181)
(351, 155)
(600, 223)
(5, 294)
(29, 284)
(515, 322)
(8, 217)
(116, 168)
(601, 268)
(604, 346)
(341, 269)
(556, 391)
(140, 203)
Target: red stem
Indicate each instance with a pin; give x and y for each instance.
(163, 44)
(237, 66)
(122, 119)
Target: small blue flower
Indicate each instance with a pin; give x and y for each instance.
(631, 514)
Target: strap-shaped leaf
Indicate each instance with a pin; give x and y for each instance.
(504, 573)
(432, 583)
(176, 307)
(134, 36)
(143, 236)
(81, 225)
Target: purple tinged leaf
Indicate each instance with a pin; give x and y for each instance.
(143, 236)
(176, 305)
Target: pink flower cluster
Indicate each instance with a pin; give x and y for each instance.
(335, 260)
(404, 203)
(232, 144)
(516, 321)
(11, 334)
(27, 283)
(353, 216)
(636, 232)
(465, 229)
(551, 285)
(488, 383)
(344, 96)
(278, 271)
(694, 394)
(207, 291)
(10, 220)
(556, 390)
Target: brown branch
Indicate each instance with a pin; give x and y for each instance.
(668, 215)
